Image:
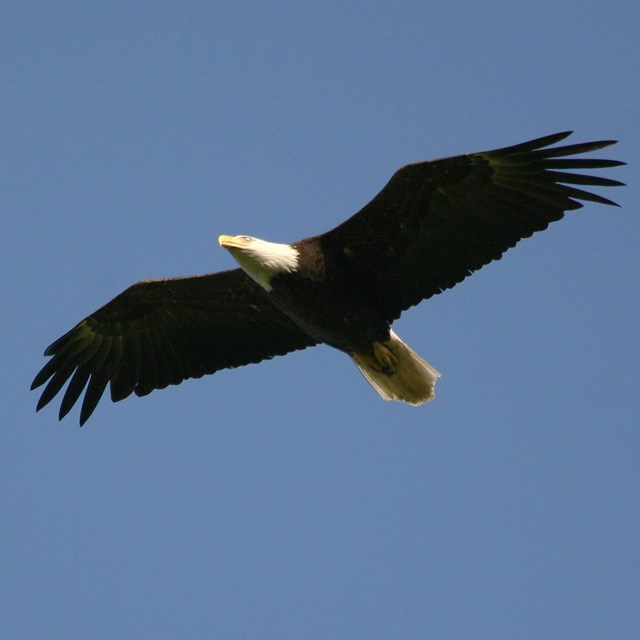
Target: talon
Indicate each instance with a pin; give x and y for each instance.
(386, 360)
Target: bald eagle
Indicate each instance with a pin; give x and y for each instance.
(431, 226)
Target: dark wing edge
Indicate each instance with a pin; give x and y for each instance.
(437, 222)
(160, 332)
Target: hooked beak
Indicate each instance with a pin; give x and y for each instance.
(231, 242)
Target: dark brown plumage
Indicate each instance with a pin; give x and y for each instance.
(444, 219)
(431, 226)
(161, 332)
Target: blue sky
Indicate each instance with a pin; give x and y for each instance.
(286, 500)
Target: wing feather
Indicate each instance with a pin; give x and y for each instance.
(161, 332)
(435, 223)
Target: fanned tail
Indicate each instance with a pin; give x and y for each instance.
(397, 372)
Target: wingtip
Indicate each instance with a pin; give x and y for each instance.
(85, 413)
(64, 410)
(555, 137)
(42, 402)
(600, 144)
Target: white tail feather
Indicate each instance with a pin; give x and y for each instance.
(397, 372)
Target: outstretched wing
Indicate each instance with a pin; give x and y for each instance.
(437, 222)
(161, 332)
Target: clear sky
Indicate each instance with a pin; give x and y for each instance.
(286, 500)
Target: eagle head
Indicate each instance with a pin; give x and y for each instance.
(261, 260)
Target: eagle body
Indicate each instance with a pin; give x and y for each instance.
(431, 226)
(332, 300)
(329, 300)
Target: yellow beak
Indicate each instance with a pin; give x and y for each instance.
(231, 242)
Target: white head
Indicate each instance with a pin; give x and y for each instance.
(261, 260)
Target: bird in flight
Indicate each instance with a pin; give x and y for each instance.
(431, 226)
